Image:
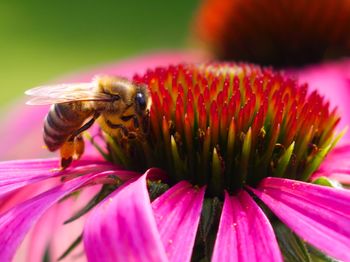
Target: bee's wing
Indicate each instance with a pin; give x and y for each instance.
(63, 93)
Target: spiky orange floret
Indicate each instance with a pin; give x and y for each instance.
(226, 125)
(279, 33)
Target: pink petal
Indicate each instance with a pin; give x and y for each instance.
(177, 213)
(25, 252)
(24, 193)
(245, 233)
(39, 237)
(123, 228)
(320, 215)
(19, 142)
(336, 165)
(23, 179)
(51, 224)
(15, 223)
(332, 81)
(17, 174)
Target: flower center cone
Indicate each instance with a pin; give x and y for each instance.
(227, 125)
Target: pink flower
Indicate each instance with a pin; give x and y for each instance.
(238, 144)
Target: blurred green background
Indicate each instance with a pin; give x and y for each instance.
(42, 40)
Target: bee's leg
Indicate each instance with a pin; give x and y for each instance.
(79, 146)
(127, 134)
(86, 126)
(73, 148)
(136, 122)
(67, 153)
(124, 131)
(146, 123)
(132, 135)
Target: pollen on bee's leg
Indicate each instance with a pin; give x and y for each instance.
(67, 152)
(79, 147)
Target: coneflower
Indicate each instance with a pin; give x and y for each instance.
(228, 160)
(280, 33)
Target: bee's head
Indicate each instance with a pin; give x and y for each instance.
(123, 91)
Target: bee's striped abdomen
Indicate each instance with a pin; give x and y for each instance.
(60, 122)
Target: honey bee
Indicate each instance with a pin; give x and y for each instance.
(117, 104)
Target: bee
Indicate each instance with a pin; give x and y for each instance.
(118, 105)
